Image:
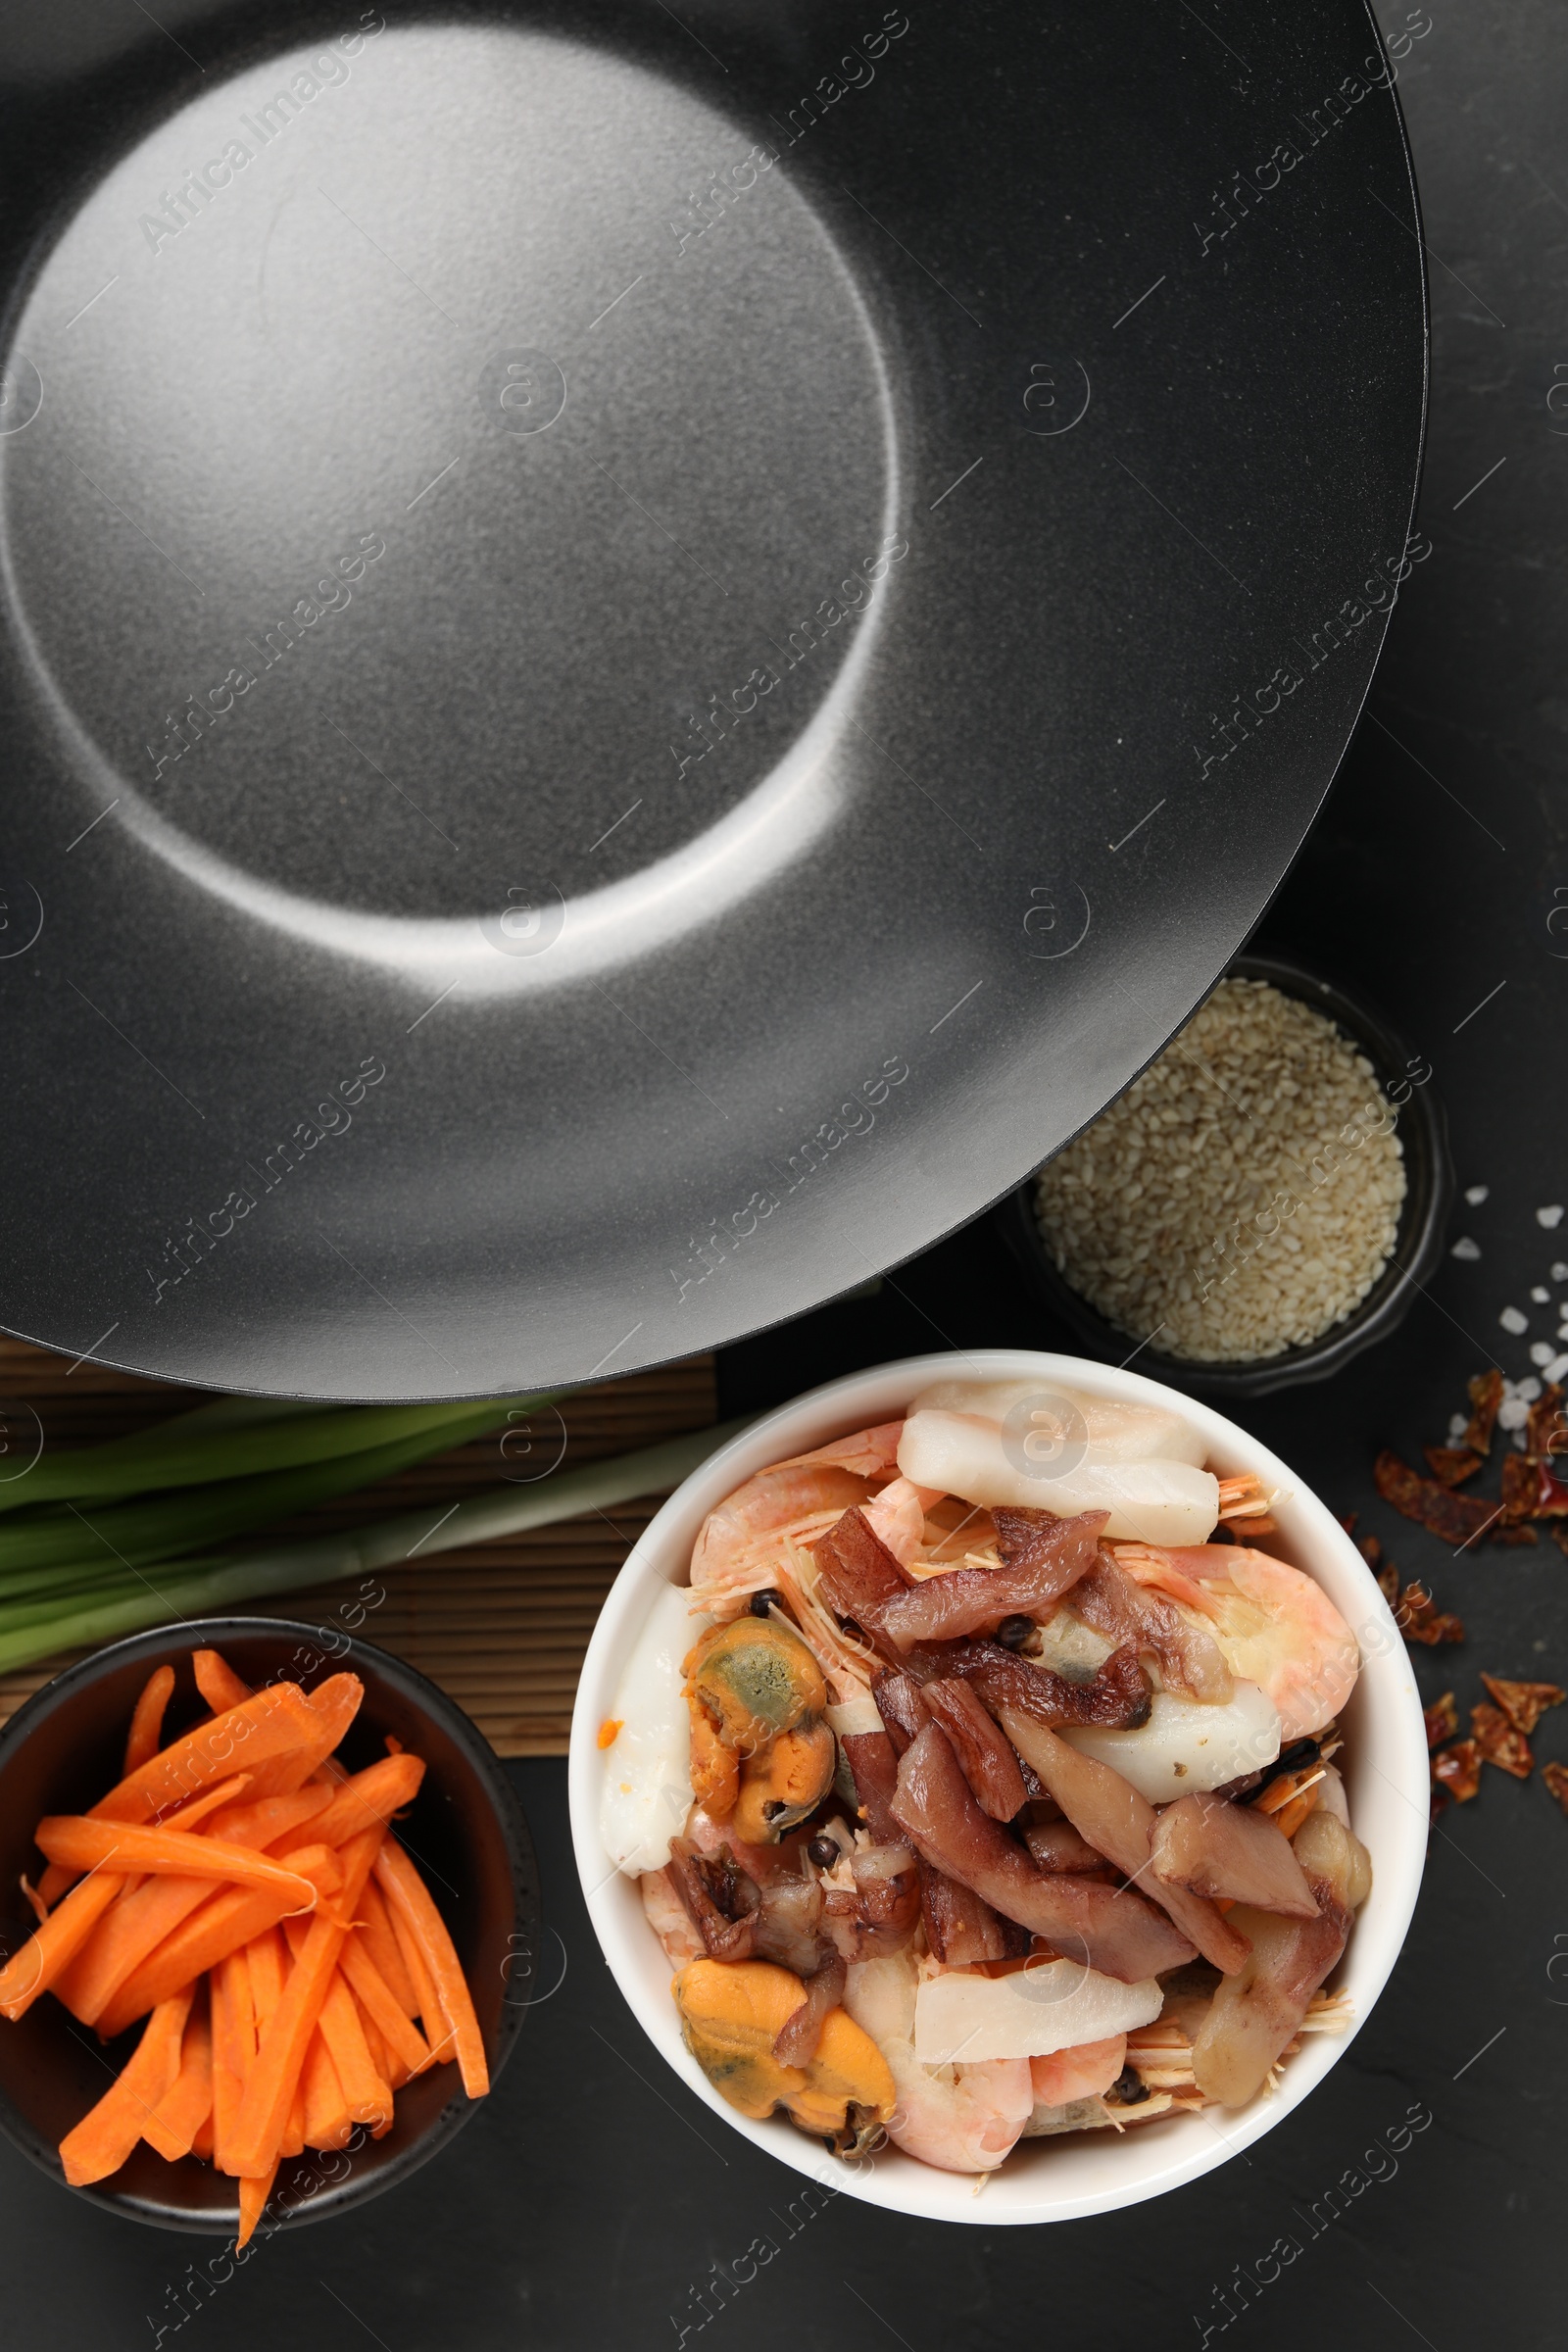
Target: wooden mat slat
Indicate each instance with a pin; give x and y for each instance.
(503, 1626)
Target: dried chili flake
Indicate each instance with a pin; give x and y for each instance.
(1438, 1804)
(1486, 1395)
(1524, 1703)
(1442, 1719)
(1457, 1518)
(1458, 1770)
(1371, 1551)
(1419, 1619)
(1532, 1489)
(1499, 1743)
(1451, 1465)
(1545, 1430)
(1555, 1777)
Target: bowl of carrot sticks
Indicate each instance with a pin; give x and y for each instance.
(268, 1912)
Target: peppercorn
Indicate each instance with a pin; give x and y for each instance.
(766, 1601)
(1013, 1632)
(823, 1850)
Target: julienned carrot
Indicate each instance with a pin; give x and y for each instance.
(379, 2002)
(201, 2146)
(373, 1930)
(333, 1705)
(218, 1682)
(212, 1931)
(280, 2052)
(103, 2138)
(188, 2103)
(391, 2069)
(68, 1985)
(234, 2047)
(82, 1844)
(253, 2196)
(147, 1722)
(55, 1943)
(436, 2025)
(364, 2086)
(277, 1720)
(369, 1798)
(327, 2121)
(138, 1923)
(264, 1957)
(406, 1891)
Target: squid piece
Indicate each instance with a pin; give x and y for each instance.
(1191, 1660)
(989, 1763)
(1029, 2013)
(1116, 1699)
(1115, 1931)
(1227, 1852)
(1043, 1558)
(878, 1918)
(964, 2119)
(1149, 1501)
(1114, 1431)
(1110, 1815)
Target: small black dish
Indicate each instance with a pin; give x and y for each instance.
(1429, 1192)
(65, 1747)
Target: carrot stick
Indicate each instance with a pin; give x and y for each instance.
(371, 1798)
(188, 2103)
(105, 2136)
(264, 1957)
(253, 2196)
(432, 2017)
(392, 2071)
(293, 2141)
(280, 2051)
(373, 1930)
(147, 1722)
(212, 1931)
(140, 1920)
(379, 2002)
(327, 2121)
(82, 1844)
(202, 2139)
(362, 2084)
(277, 1723)
(405, 1892)
(55, 1943)
(218, 1682)
(234, 2047)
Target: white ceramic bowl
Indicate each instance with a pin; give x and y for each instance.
(1384, 1762)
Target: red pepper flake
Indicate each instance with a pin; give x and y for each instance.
(1442, 1719)
(1457, 1518)
(1451, 1465)
(1417, 1616)
(1555, 1777)
(1545, 1430)
(1531, 1489)
(1524, 1703)
(1486, 1395)
(1371, 1551)
(1499, 1743)
(1458, 1770)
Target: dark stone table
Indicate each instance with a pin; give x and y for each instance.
(594, 2203)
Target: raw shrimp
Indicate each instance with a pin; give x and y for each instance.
(1275, 1627)
(734, 1551)
(897, 1514)
(962, 2119)
(667, 1916)
(1080, 2073)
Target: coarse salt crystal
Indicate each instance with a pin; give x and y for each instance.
(1512, 1414)
(1466, 1249)
(1541, 1352)
(1526, 1389)
(1477, 1193)
(1457, 1425)
(1559, 1272)
(1542, 1298)
(1556, 1368)
(1551, 1217)
(1512, 1320)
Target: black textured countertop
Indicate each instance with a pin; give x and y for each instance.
(591, 2202)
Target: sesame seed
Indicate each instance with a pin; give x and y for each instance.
(1268, 1186)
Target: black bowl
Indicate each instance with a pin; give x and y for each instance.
(64, 1748)
(1429, 1191)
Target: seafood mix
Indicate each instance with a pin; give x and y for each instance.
(982, 1783)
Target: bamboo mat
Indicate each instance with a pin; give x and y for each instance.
(502, 1627)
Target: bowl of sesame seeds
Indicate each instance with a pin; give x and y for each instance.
(1260, 1205)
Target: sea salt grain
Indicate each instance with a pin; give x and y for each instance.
(1541, 1352)
(1559, 1272)
(1556, 1368)
(1540, 1297)
(1551, 1217)
(1244, 1195)
(1465, 1248)
(1512, 1320)
(1477, 1193)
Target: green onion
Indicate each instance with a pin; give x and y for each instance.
(228, 1445)
(125, 1602)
